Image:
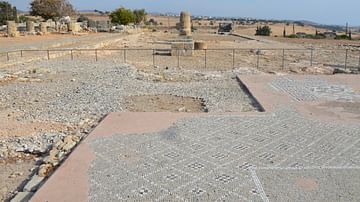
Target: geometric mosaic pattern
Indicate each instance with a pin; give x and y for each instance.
(215, 158)
(313, 88)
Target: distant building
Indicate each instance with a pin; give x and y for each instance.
(225, 28)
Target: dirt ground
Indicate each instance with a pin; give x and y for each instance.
(19, 128)
(165, 103)
(12, 174)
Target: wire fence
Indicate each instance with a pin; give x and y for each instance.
(208, 59)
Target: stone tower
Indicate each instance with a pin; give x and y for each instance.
(185, 24)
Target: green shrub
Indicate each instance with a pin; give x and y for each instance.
(7, 12)
(122, 16)
(263, 31)
(50, 9)
(139, 16)
(292, 36)
(343, 37)
(83, 18)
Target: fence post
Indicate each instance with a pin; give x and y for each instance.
(124, 55)
(96, 55)
(359, 62)
(205, 59)
(7, 56)
(48, 54)
(72, 55)
(346, 58)
(178, 58)
(311, 57)
(233, 61)
(258, 58)
(21, 53)
(283, 59)
(153, 57)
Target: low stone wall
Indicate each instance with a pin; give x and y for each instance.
(182, 48)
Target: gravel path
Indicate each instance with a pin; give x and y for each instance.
(70, 91)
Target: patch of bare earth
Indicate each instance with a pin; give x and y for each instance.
(164, 103)
(18, 128)
(12, 173)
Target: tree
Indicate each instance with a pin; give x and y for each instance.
(122, 16)
(7, 12)
(50, 9)
(350, 35)
(139, 16)
(284, 32)
(263, 31)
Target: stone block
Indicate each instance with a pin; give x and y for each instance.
(43, 27)
(30, 28)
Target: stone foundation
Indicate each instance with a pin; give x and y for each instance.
(182, 47)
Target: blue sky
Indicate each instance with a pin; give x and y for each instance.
(322, 11)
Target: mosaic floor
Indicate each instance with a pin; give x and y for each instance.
(219, 158)
(313, 88)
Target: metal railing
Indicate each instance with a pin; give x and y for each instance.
(229, 58)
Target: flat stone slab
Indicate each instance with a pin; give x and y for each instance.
(335, 98)
(284, 154)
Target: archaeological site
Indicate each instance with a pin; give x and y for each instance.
(135, 105)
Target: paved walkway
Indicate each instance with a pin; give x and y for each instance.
(298, 150)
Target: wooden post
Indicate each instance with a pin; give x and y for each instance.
(7, 56)
(205, 59)
(48, 54)
(178, 59)
(96, 55)
(346, 57)
(124, 55)
(72, 55)
(153, 57)
(283, 59)
(359, 62)
(233, 59)
(21, 53)
(258, 59)
(311, 57)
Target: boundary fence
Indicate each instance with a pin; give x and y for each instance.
(341, 58)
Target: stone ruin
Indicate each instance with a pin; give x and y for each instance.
(185, 24)
(43, 28)
(12, 29)
(184, 46)
(30, 27)
(74, 27)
